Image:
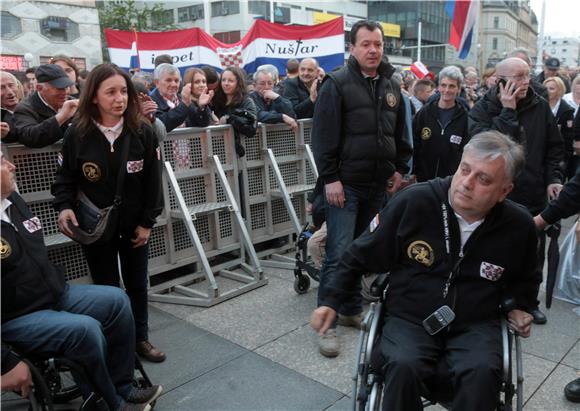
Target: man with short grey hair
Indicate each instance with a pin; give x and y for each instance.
(271, 106)
(440, 129)
(453, 244)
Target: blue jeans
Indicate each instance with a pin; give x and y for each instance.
(344, 225)
(92, 327)
(103, 263)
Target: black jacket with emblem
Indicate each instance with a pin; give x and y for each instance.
(90, 165)
(30, 282)
(437, 148)
(412, 222)
(532, 124)
(358, 138)
(36, 123)
(299, 96)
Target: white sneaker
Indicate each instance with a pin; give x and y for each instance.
(328, 344)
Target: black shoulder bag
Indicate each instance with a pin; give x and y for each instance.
(98, 225)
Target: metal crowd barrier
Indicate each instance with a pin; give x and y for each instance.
(268, 184)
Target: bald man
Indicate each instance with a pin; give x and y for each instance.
(303, 90)
(514, 108)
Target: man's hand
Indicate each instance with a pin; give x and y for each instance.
(507, 94)
(141, 236)
(314, 91)
(521, 322)
(69, 108)
(270, 95)
(4, 129)
(186, 94)
(63, 218)
(291, 122)
(205, 98)
(335, 194)
(18, 379)
(553, 190)
(394, 183)
(322, 318)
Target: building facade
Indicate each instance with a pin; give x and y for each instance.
(566, 49)
(505, 26)
(33, 31)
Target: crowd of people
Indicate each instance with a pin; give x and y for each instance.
(487, 151)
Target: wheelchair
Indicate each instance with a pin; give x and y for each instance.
(54, 381)
(367, 382)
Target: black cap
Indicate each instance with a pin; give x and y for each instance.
(552, 63)
(54, 75)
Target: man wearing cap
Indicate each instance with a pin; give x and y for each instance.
(44, 116)
(551, 68)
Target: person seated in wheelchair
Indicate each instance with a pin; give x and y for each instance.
(44, 316)
(454, 248)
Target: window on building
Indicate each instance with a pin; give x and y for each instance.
(494, 43)
(292, 6)
(311, 9)
(163, 18)
(190, 13)
(228, 36)
(59, 28)
(11, 25)
(225, 8)
(261, 8)
(496, 22)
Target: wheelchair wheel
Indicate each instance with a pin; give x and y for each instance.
(39, 396)
(301, 282)
(62, 386)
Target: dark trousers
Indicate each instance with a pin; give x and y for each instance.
(541, 258)
(410, 356)
(103, 263)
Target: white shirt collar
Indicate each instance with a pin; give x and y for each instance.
(45, 103)
(4, 210)
(556, 107)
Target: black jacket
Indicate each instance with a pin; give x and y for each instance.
(565, 120)
(567, 203)
(533, 125)
(172, 118)
(408, 241)
(272, 112)
(437, 147)
(36, 123)
(357, 137)
(299, 96)
(8, 117)
(89, 165)
(243, 119)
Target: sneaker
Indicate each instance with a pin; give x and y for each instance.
(146, 350)
(145, 395)
(350, 320)
(572, 390)
(129, 406)
(328, 344)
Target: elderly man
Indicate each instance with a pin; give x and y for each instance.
(440, 129)
(43, 316)
(448, 243)
(271, 106)
(175, 111)
(515, 109)
(551, 69)
(8, 102)
(303, 90)
(360, 151)
(44, 116)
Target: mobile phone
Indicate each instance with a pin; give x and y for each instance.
(440, 319)
(502, 81)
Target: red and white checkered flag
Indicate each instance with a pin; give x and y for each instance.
(230, 57)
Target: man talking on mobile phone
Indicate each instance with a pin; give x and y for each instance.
(455, 249)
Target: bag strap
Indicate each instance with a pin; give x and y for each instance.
(123, 171)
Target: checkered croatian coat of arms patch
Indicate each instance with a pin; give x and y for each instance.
(230, 57)
(490, 271)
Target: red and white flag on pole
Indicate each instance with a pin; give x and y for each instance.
(421, 71)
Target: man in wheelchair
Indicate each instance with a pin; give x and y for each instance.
(43, 316)
(454, 247)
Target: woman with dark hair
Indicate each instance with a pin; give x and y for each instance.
(71, 70)
(108, 124)
(232, 105)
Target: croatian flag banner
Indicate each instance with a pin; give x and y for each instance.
(265, 43)
(463, 18)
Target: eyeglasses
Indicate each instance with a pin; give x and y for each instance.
(519, 77)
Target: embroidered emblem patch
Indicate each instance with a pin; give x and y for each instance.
(32, 225)
(5, 249)
(91, 171)
(391, 100)
(374, 223)
(490, 271)
(455, 139)
(134, 166)
(421, 252)
(426, 133)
